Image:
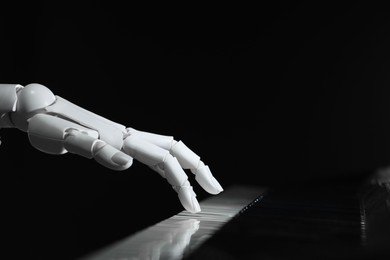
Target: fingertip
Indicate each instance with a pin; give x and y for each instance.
(217, 187)
(188, 199)
(207, 180)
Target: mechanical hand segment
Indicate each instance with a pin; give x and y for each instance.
(57, 126)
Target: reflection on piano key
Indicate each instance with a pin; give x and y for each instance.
(180, 235)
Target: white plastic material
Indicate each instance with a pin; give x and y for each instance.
(163, 141)
(206, 179)
(8, 98)
(56, 126)
(111, 158)
(31, 99)
(79, 143)
(8, 101)
(187, 158)
(47, 133)
(145, 152)
(179, 181)
(169, 167)
(174, 172)
(110, 132)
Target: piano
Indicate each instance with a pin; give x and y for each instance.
(343, 220)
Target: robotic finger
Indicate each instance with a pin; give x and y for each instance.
(189, 160)
(166, 165)
(185, 156)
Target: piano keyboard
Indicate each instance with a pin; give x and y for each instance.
(180, 235)
(345, 220)
(335, 221)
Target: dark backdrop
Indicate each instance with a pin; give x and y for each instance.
(271, 94)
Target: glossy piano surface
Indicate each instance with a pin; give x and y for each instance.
(344, 220)
(338, 221)
(180, 235)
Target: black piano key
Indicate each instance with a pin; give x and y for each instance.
(316, 222)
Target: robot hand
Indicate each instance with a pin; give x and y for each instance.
(57, 126)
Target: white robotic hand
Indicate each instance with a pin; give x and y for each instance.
(57, 126)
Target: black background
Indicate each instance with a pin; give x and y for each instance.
(269, 94)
